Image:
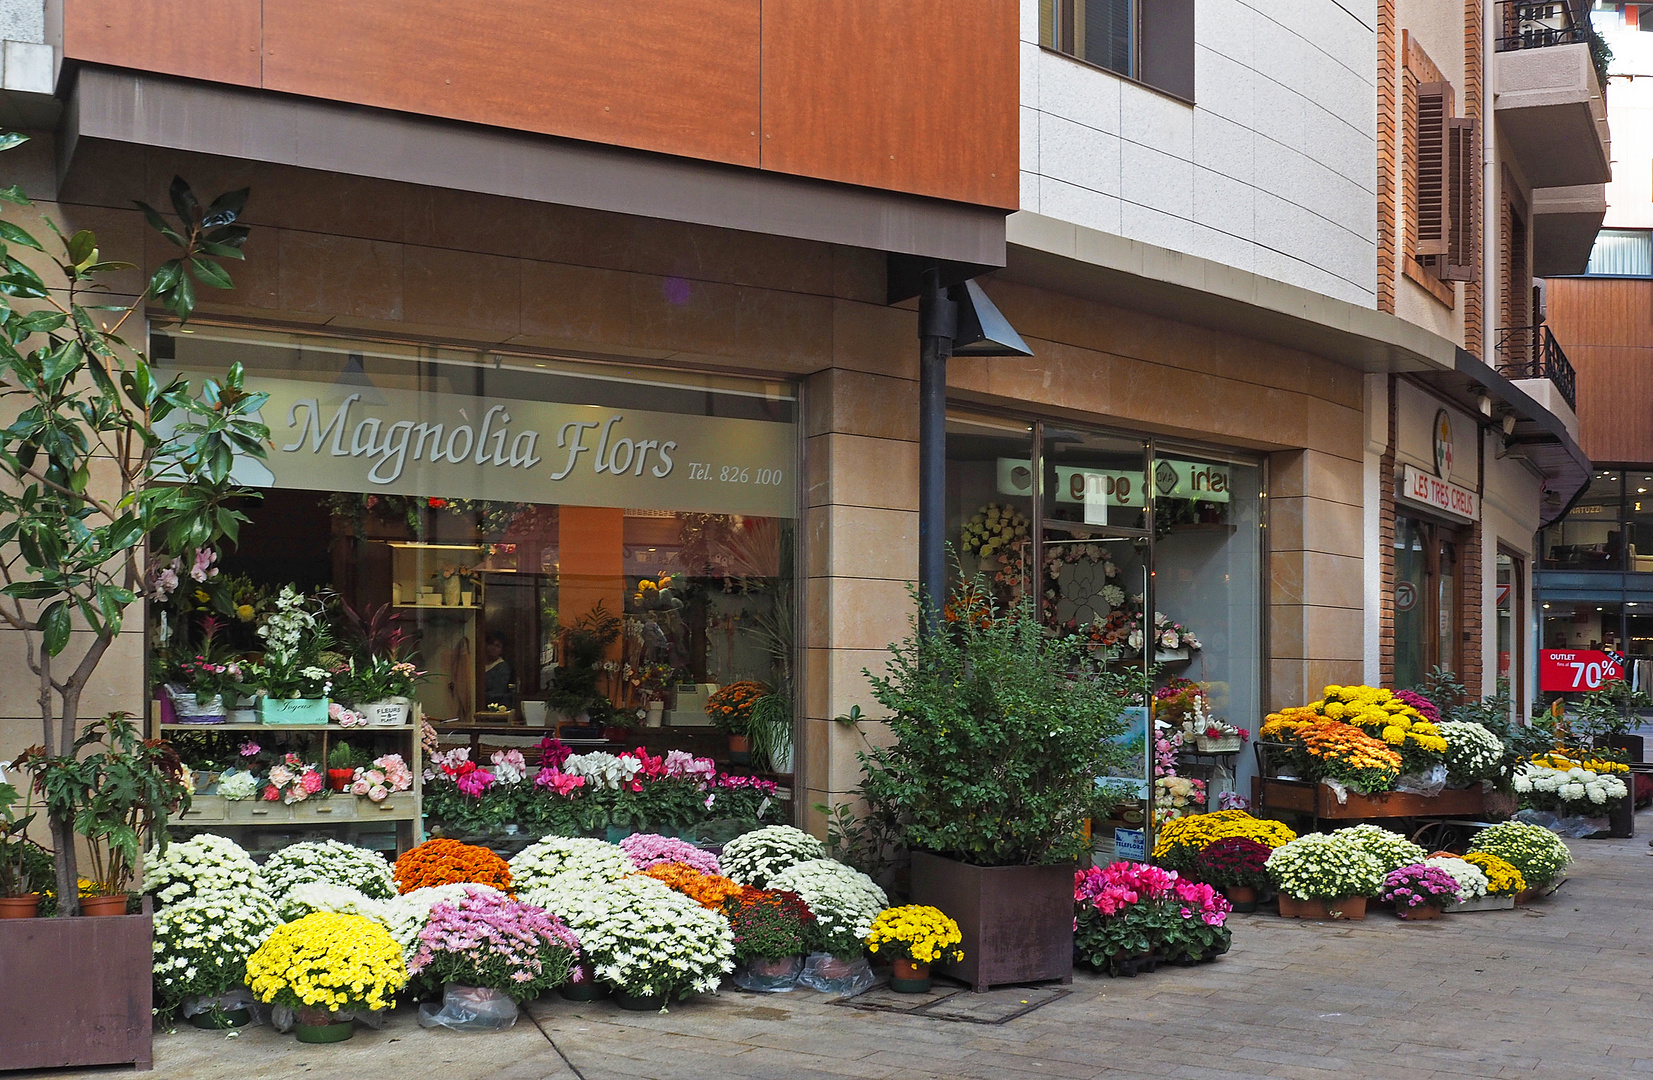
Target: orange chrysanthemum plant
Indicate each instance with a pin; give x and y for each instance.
(707, 890)
(448, 862)
(1333, 750)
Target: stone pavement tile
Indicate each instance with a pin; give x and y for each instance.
(1287, 1057)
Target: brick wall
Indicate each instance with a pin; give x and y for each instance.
(1474, 61)
(1386, 155)
(1386, 549)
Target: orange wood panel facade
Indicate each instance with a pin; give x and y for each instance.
(1605, 326)
(213, 40)
(917, 96)
(909, 95)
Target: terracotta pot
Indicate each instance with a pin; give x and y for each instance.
(339, 779)
(1348, 907)
(910, 977)
(1421, 913)
(103, 905)
(26, 906)
(1242, 898)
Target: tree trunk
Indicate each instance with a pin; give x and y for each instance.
(63, 831)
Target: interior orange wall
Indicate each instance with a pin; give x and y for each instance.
(917, 96)
(591, 562)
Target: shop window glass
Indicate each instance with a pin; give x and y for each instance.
(565, 542)
(1092, 480)
(1411, 602)
(1592, 535)
(1638, 521)
(990, 500)
(1510, 613)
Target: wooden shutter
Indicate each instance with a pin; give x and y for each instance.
(1168, 46)
(1463, 172)
(1434, 218)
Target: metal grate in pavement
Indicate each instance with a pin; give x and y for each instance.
(956, 1003)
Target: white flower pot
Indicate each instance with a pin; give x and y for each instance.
(190, 711)
(1228, 744)
(387, 712)
(656, 710)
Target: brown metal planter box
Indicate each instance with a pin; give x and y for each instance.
(76, 992)
(1016, 921)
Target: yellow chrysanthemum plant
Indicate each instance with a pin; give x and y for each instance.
(916, 932)
(327, 963)
(1503, 879)
(1179, 841)
(1380, 713)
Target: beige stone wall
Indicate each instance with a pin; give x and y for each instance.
(1152, 375)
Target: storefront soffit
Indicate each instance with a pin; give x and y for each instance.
(257, 125)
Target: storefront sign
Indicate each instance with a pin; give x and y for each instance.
(1576, 670)
(1130, 844)
(333, 437)
(1443, 444)
(1439, 494)
(1102, 488)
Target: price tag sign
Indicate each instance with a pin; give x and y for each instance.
(1579, 671)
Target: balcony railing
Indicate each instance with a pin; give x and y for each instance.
(1531, 352)
(1538, 25)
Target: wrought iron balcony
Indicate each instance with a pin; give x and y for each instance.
(1525, 25)
(1532, 352)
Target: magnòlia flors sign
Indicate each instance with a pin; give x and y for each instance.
(332, 437)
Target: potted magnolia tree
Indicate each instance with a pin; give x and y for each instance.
(1001, 730)
(93, 492)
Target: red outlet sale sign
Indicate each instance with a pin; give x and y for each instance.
(1576, 670)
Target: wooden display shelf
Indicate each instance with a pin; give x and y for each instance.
(367, 729)
(1318, 800)
(316, 810)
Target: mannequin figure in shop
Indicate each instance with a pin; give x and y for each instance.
(498, 677)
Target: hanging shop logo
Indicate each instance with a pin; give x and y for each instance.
(329, 437)
(1438, 494)
(1443, 445)
(1173, 479)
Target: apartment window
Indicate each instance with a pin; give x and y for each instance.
(1622, 252)
(1150, 41)
(1445, 164)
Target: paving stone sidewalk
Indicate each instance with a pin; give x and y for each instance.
(1560, 989)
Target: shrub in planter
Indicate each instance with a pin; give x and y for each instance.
(1418, 888)
(844, 901)
(332, 862)
(568, 856)
(492, 942)
(207, 865)
(448, 862)
(755, 858)
(1324, 866)
(202, 944)
(1391, 850)
(1535, 851)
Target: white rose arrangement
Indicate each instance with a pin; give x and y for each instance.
(1472, 882)
(845, 902)
(313, 896)
(329, 861)
(554, 857)
(207, 866)
(642, 937)
(755, 858)
(1472, 752)
(202, 943)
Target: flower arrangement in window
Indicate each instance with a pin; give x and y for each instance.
(731, 707)
(328, 962)
(448, 862)
(993, 530)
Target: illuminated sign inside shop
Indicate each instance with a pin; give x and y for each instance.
(1173, 479)
(1581, 670)
(327, 436)
(1439, 494)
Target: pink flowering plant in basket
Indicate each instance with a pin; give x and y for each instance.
(486, 939)
(650, 849)
(1418, 885)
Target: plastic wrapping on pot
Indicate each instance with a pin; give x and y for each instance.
(283, 1019)
(1573, 828)
(768, 976)
(1428, 783)
(470, 1008)
(235, 999)
(833, 975)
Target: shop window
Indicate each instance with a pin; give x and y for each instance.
(1427, 600)
(565, 543)
(1592, 536)
(1151, 41)
(1510, 612)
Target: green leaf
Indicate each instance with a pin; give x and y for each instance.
(54, 627)
(11, 234)
(62, 361)
(210, 273)
(15, 196)
(158, 223)
(11, 139)
(184, 201)
(81, 247)
(226, 208)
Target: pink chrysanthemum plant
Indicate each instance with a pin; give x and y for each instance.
(650, 849)
(488, 940)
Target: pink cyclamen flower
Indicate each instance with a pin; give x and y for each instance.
(475, 782)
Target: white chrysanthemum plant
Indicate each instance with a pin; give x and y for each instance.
(1472, 752)
(1390, 849)
(201, 945)
(844, 901)
(641, 937)
(208, 865)
(1472, 881)
(313, 896)
(570, 856)
(407, 914)
(1323, 866)
(329, 861)
(1577, 790)
(755, 858)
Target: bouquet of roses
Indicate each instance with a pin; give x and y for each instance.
(329, 861)
(755, 858)
(488, 940)
(293, 781)
(387, 774)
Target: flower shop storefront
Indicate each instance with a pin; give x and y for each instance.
(505, 548)
(1149, 550)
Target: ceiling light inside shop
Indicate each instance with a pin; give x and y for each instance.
(1546, 607)
(1598, 609)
